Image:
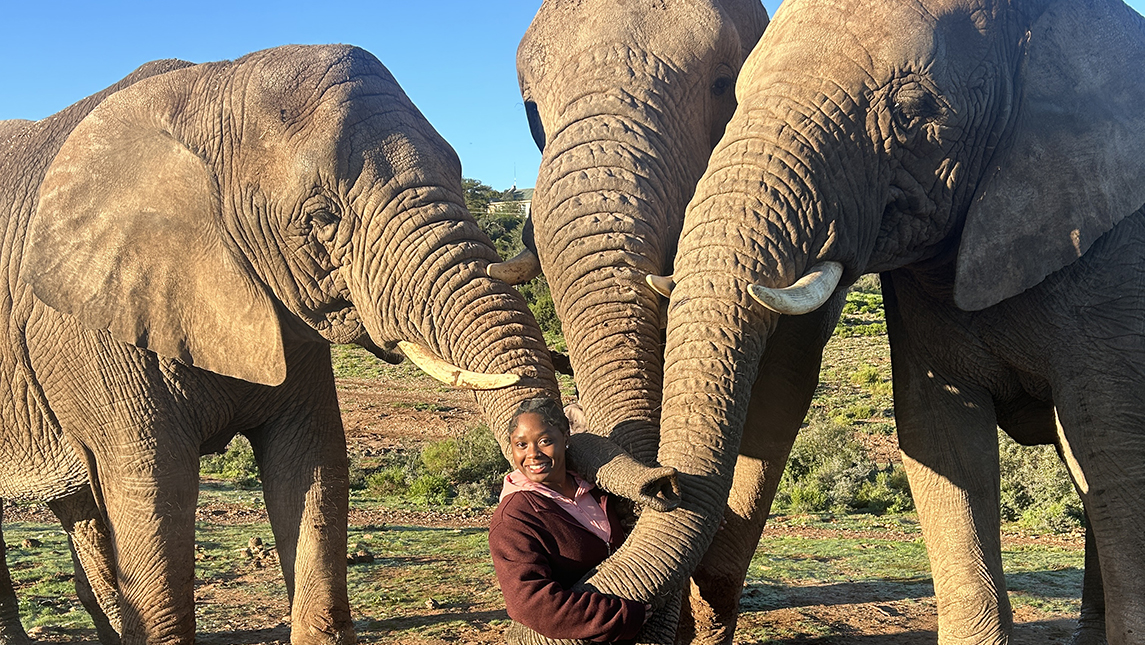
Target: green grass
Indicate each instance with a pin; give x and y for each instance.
(831, 470)
(43, 577)
(437, 584)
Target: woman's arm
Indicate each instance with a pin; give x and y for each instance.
(533, 598)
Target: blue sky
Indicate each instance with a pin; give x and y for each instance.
(455, 58)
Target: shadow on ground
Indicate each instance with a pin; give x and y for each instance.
(1051, 632)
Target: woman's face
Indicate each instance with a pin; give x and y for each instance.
(539, 450)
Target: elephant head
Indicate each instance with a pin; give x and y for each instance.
(235, 218)
(1000, 138)
(220, 213)
(625, 101)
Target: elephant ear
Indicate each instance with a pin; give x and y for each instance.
(128, 237)
(1076, 163)
(750, 20)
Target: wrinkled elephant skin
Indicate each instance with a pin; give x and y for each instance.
(625, 101)
(988, 159)
(200, 238)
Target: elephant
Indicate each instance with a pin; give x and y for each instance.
(182, 250)
(625, 101)
(24, 148)
(987, 160)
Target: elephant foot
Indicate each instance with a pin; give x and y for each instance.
(699, 623)
(14, 636)
(315, 636)
(106, 631)
(1088, 634)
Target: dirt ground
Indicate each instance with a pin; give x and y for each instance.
(396, 415)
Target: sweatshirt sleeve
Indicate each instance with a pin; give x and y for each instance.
(535, 600)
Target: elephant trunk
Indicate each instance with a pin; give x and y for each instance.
(606, 212)
(706, 394)
(716, 338)
(419, 274)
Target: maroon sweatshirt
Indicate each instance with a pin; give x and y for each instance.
(539, 552)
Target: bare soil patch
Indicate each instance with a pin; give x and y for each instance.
(404, 413)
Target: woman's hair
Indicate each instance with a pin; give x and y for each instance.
(551, 413)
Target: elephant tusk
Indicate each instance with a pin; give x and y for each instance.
(662, 285)
(516, 270)
(451, 374)
(806, 295)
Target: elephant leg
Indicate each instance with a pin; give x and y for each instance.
(948, 437)
(151, 510)
(11, 631)
(1103, 448)
(93, 560)
(780, 397)
(1091, 625)
(713, 604)
(306, 486)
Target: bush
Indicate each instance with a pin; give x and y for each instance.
(855, 412)
(866, 375)
(829, 471)
(236, 464)
(888, 493)
(862, 314)
(466, 471)
(1037, 491)
(441, 458)
(477, 494)
(431, 490)
(387, 481)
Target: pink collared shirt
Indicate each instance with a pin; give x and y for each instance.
(583, 507)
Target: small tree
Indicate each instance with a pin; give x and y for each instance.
(478, 196)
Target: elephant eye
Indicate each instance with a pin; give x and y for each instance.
(323, 218)
(721, 85)
(912, 104)
(535, 126)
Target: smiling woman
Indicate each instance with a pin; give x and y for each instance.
(550, 529)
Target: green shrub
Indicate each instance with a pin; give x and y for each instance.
(860, 302)
(866, 375)
(879, 428)
(387, 481)
(1036, 488)
(848, 328)
(889, 492)
(358, 472)
(830, 471)
(431, 490)
(862, 314)
(441, 458)
(854, 412)
(1061, 516)
(823, 471)
(236, 465)
(477, 494)
(471, 466)
(481, 458)
(466, 471)
(805, 498)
